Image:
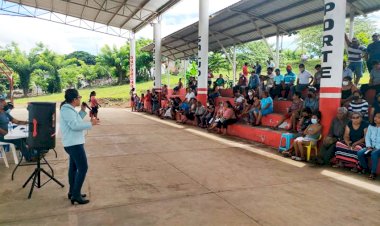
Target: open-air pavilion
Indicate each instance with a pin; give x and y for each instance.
(146, 171)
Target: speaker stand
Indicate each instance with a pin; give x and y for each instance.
(36, 176)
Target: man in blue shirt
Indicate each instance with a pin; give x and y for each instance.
(254, 81)
(289, 80)
(5, 118)
(373, 52)
(258, 68)
(278, 82)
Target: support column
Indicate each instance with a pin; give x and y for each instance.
(332, 60)
(157, 55)
(184, 81)
(234, 67)
(277, 49)
(203, 50)
(352, 20)
(132, 61)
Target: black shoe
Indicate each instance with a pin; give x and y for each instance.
(79, 201)
(82, 195)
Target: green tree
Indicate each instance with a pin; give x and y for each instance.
(86, 57)
(19, 63)
(309, 40)
(218, 61)
(116, 59)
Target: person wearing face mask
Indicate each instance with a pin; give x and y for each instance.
(310, 135)
(348, 89)
(5, 118)
(355, 52)
(373, 51)
(336, 132)
(358, 104)
(311, 101)
(375, 108)
(248, 102)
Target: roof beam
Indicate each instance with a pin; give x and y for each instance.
(251, 16)
(226, 35)
(246, 10)
(156, 14)
(118, 9)
(101, 7)
(140, 7)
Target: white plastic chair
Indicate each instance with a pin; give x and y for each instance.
(12, 149)
(4, 156)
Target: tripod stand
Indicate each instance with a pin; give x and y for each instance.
(36, 176)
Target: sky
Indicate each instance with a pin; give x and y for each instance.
(65, 39)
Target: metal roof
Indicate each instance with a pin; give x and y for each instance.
(250, 20)
(130, 15)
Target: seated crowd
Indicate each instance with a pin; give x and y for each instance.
(353, 134)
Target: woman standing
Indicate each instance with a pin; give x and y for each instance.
(72, 127)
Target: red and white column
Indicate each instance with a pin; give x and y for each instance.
(203, 50)
(157, 55)
(132, 63)
(332, 60)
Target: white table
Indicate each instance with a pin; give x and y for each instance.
(19, 132)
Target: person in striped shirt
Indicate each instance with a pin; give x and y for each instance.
(358, 104)
(355, 53)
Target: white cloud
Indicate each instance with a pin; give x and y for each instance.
(64, 39)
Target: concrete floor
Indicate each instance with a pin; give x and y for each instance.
(143, 171)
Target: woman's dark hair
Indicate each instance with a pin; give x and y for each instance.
(318, 114)
(70, 96)
(307, 110)
(92, 94)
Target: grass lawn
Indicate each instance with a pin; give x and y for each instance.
(122, 92)
(111, 92)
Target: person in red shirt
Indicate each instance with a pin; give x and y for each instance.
(245, 69)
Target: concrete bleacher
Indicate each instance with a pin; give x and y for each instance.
(261, 134)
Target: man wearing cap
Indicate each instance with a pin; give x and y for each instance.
(355, 51)
(373, 51)
(5, 118)
(311, 101)
(289, 79)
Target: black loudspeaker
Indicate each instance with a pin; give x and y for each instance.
(42, 120)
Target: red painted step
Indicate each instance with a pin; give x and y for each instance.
(257, 134)
(226, 92)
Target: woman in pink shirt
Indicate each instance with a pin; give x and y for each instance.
(229, 117)
(94, 105)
